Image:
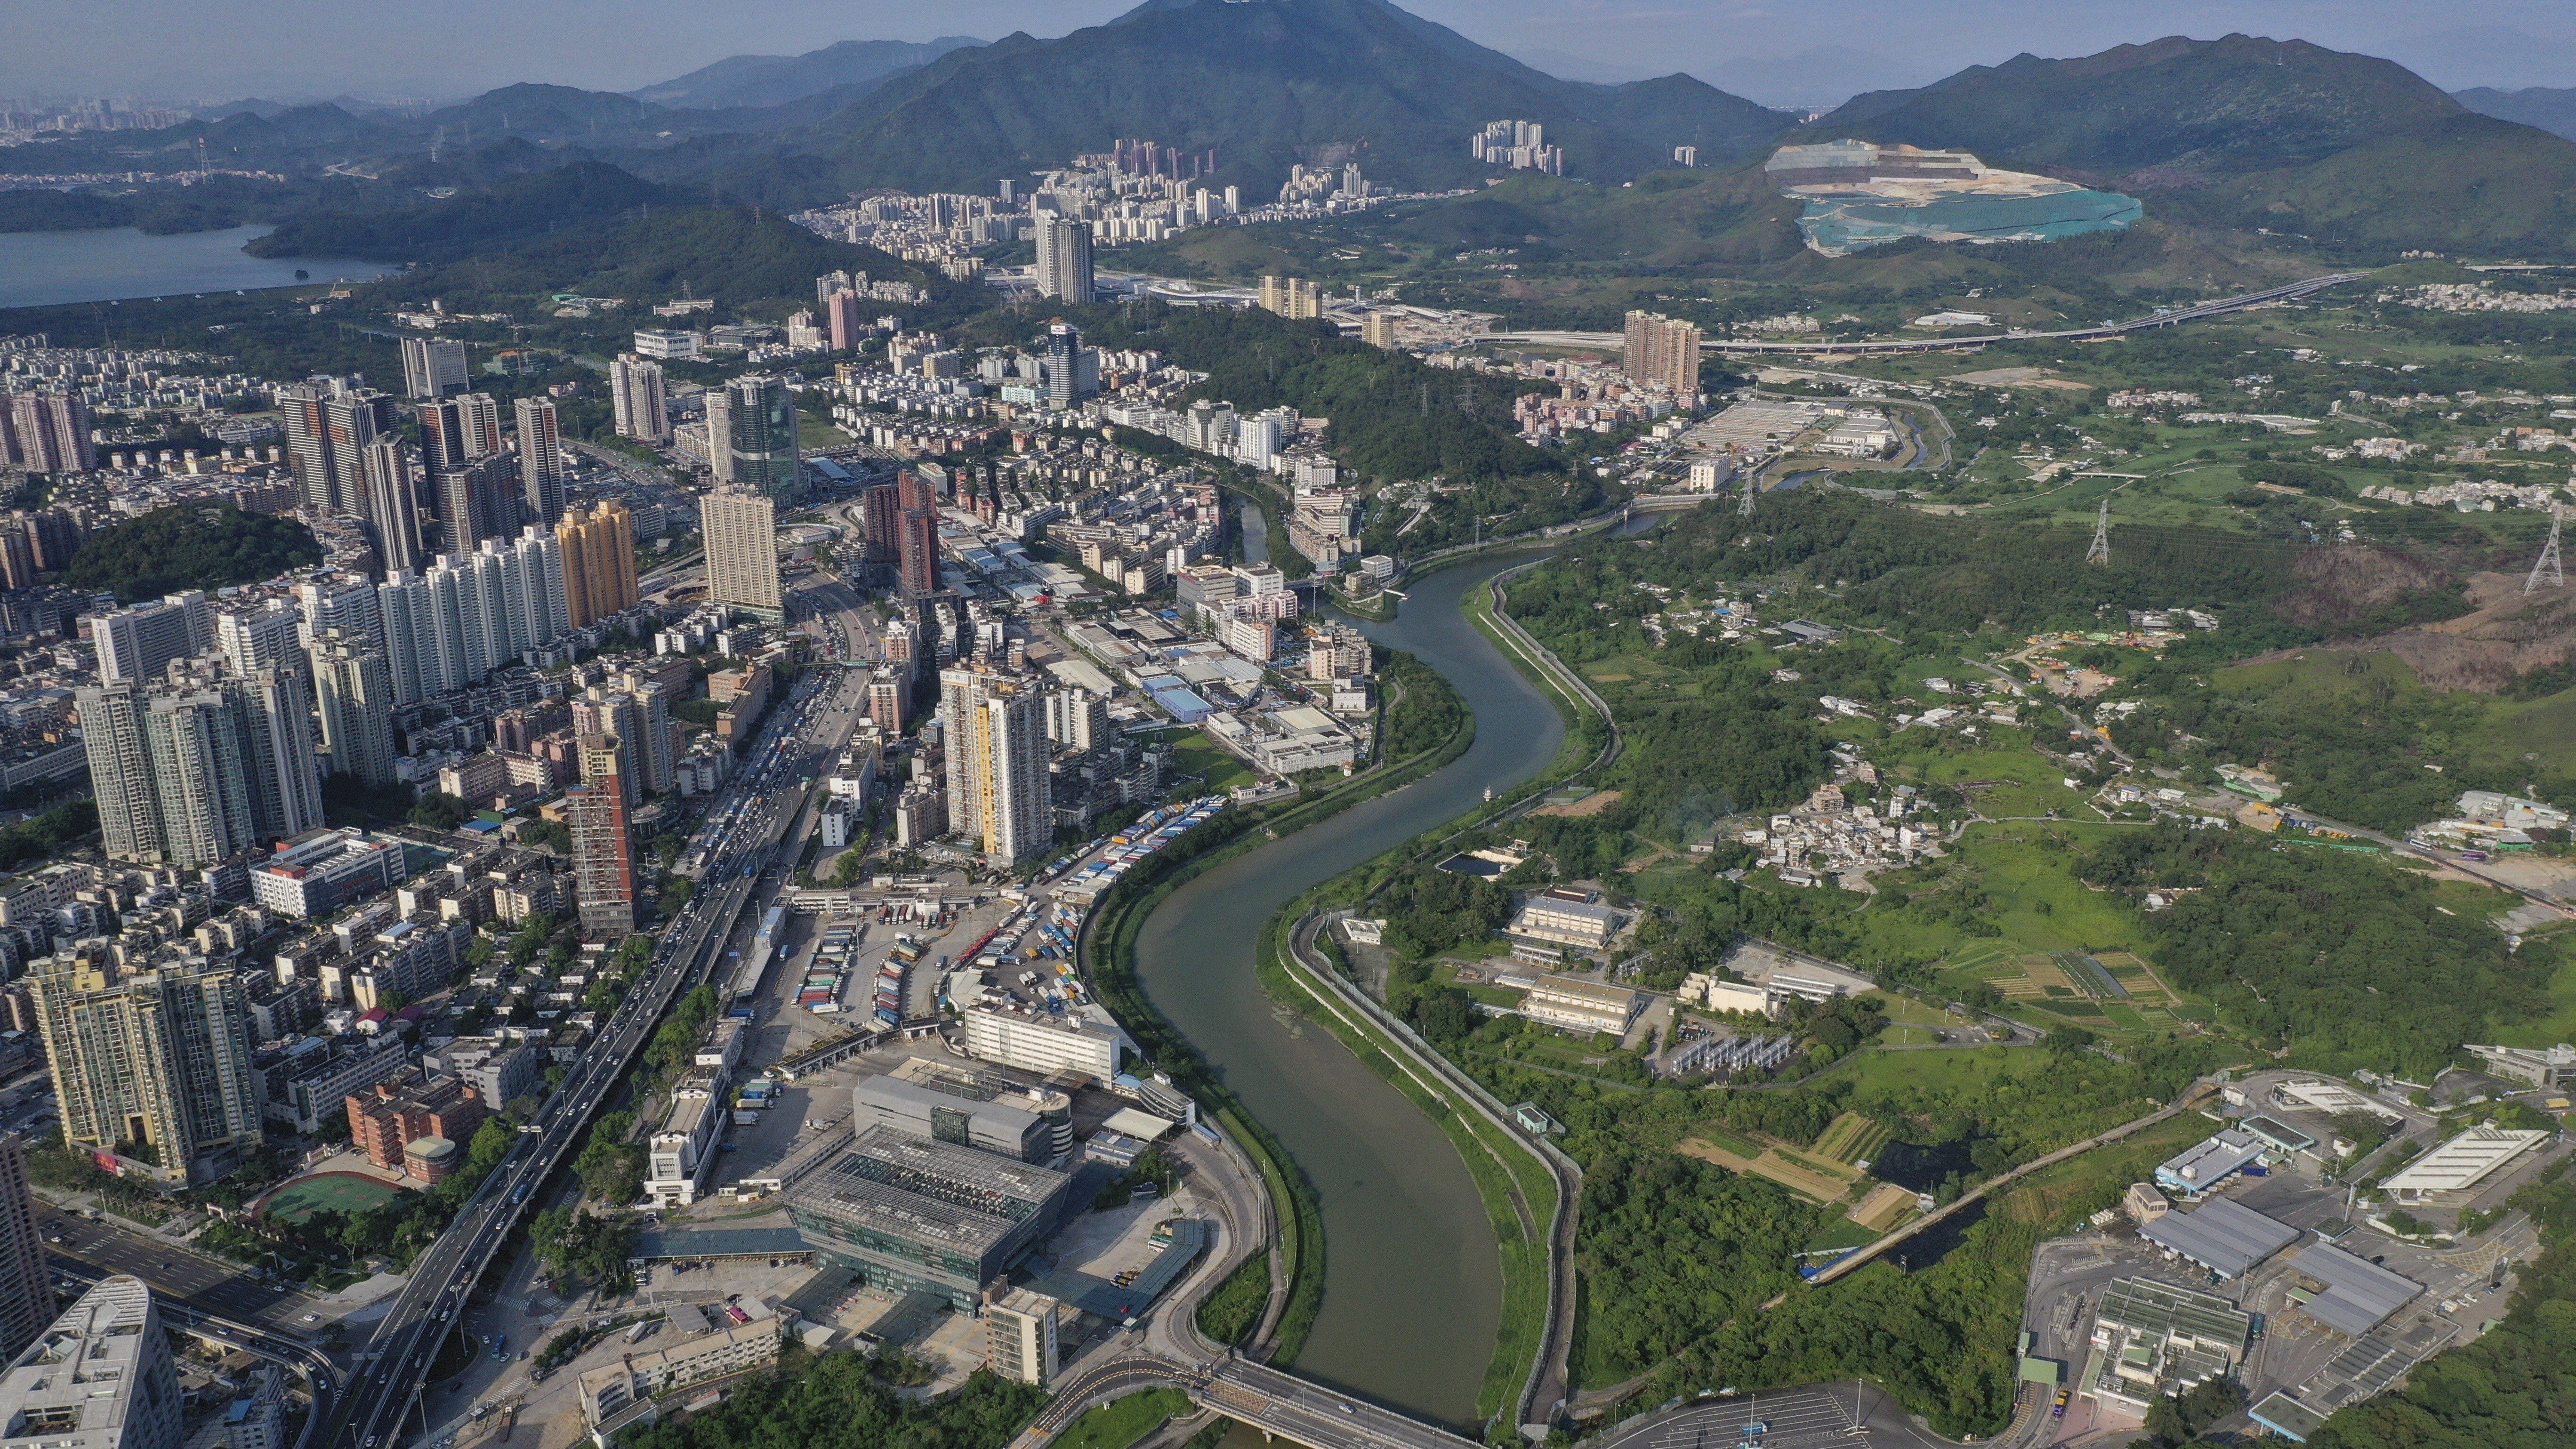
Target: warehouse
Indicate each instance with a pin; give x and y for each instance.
(2350, 1295)
(1013, 1129)
(2461, 1163)
(2223, 1235)
(2219, 1157)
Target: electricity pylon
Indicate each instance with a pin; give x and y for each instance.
(2100, 552)
(2546, 570)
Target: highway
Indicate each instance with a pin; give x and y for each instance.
(740, 842)
(2220, 307)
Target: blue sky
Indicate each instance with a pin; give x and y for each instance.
(1776, 51)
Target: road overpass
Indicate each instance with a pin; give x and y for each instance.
(1280, 1405)
(2175, 317)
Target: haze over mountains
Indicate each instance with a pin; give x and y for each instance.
(2242, 133)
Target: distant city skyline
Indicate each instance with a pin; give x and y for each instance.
(190, 50)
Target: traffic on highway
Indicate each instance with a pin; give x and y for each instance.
(733, 851)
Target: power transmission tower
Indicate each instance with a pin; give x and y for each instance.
(2546, 569)
(2100, 552)
(1745, 509)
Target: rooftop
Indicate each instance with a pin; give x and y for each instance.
(2212, 1161)
(75, 1384)
(2222, 1235)
(2463, 1161)
(926, 1191)
(2359, 1294)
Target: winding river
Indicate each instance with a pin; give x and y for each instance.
(1412, 1281)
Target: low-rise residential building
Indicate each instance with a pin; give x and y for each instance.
(320, 871)
(637, 1377)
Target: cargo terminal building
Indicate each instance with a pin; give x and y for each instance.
(913, 1215)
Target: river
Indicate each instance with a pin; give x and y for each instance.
(46, 268)
(1412, 1280)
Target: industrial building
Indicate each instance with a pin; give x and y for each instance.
(2213, 1161)
(2151, 1339)
(1565, 918)
(2461, 1163)
(960, 1113)
(99, 1377)
(1580, 1005)
(2223, 1235)
(1043, 1042)
(2532, 1066)
(913, 1215)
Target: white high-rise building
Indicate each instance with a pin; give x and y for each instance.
(995, 749)
(98, 1377)
(346, 602)
(354, 686)
(636, 394)
(471, 613)
(198, 767)
(139, 641)
(1064, 257)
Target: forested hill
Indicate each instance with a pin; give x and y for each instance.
(1265, 86)
(191, 546)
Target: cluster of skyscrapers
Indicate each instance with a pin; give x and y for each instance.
(350, 459)
(201, 734)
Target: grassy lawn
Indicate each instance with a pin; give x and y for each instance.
(1121, 1422)
(1193, 753)
(2014, 779)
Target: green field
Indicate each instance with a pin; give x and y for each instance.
(338, 1192)
(1193, 753)
(1853, 1138)
(1121, 1422)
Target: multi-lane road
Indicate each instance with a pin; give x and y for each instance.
(740, 841)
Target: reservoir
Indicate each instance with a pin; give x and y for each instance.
(1412, 1279)
(44, 268)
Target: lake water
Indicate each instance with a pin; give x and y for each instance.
(42, 268)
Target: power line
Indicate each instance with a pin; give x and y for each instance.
(2547, 565)
(2100, 552)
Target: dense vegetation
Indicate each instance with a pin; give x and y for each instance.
(40, 836)
(1422, 709)
(1676, 1253)
(518, 209)
(190, 546)
(1393, 417)
(837, 1401)
(2346, 961)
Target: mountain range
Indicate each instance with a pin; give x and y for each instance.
(769, 80)
(2241, 134)
(1265, 86)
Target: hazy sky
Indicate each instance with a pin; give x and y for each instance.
(1780, 51)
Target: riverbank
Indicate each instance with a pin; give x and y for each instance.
(1108, 944)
